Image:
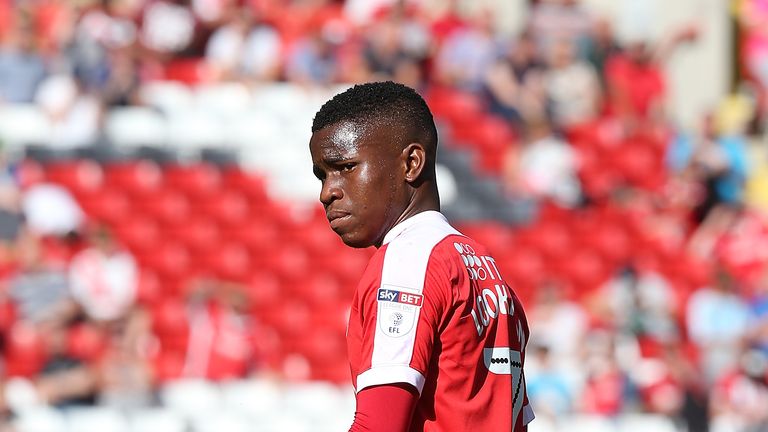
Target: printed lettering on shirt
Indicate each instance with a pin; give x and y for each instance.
(397, 310)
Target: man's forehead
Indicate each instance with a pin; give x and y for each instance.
(340, 139)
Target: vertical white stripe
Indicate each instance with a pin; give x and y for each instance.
(404, 268)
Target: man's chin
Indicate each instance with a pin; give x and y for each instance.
(353, 241)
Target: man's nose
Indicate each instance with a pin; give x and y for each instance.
(330, 192)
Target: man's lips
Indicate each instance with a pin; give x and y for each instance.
(336, 216)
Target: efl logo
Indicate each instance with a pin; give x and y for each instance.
(400, 297)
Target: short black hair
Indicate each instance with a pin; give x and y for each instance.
(383, 102)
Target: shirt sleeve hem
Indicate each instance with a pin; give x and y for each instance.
(379, 375)
(528, 414)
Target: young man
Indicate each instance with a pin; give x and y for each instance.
(436, 338)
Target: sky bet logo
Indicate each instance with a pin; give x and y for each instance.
(400, 297)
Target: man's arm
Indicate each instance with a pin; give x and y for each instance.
(385, 408)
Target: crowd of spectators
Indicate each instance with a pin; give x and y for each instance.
(574, 99)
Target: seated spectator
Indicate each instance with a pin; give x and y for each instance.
(572, 85)
(220, 345)
(244, 48)
(753, 16)
(314, 60)
(22, 68)
(549, 389)
(740, 397)
(39, 289)
(511, 82)
(544, 167)
(555, 20)
(103, 278)
(168, 27)
(642, 304)
(717, 319)
(50, 209)
(466, 54)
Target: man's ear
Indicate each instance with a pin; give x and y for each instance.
(415, 160)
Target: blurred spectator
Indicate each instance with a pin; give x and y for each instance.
(544, 167)
(50, 209)
(635, 78)
(556, 20)
(103, 278)
(467, 53)
(22, 68)
(754, 19)
(572, 85)
(758, 304)
(168, 27)
(717, 321)
(512, 82)
(642, 304)
(75, 115)
(560, 324)
(601, 46)
(548, 387)
(244, 48)
(313, 60)
(220, 345)
(740, 399)
(606, 385)
(39, 289)
(718, 161)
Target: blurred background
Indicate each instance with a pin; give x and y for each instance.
(165, 265)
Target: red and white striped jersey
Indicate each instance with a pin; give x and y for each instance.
(432, 310)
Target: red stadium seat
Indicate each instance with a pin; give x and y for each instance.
(190, 71)
(227, 261)
(167, 259)
(250, 184)
(264, 289)
(138, 178)
(196, 233)
(197, 180)
(226, 207)
(81, 176)
(166, 206)
(24, 351)
(86, 343)
(139, 234)
(30, 173)
(106, 205)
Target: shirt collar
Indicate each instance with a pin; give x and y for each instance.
(428, 216)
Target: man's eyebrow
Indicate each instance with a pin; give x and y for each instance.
(335, 158)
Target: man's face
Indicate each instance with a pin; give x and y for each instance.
(362, 174)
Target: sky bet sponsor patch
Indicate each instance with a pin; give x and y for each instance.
(389, 295)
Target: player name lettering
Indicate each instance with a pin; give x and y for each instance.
(489, 304)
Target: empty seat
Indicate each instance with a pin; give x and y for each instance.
(96, 419)
(167, 96)
(136, 177)
(23, 124)
(40, 419)
(135, 127)
(78, 176)
(192, 399)
(199, 179)
(223, 99)
(155, 420)
(194, 129)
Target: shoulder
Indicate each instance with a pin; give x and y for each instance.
(422, 246)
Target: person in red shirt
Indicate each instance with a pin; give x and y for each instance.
(436, 338)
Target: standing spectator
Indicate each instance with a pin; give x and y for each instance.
(717, 320)
(572, 85)
(22, 68)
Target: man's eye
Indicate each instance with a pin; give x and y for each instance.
(348, 167)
